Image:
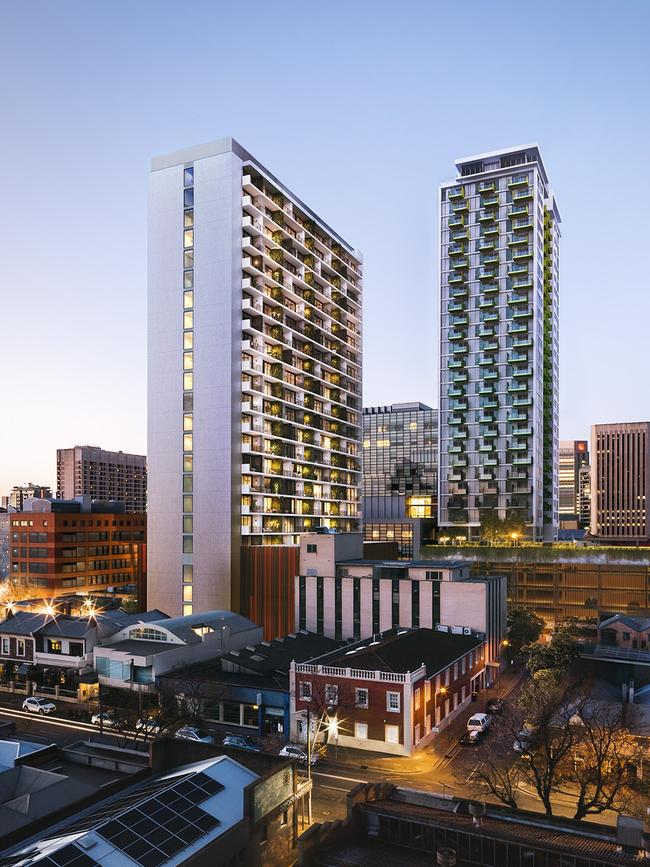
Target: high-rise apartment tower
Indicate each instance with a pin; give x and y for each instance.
(499, 276)
(573, 455)
(254, 373)
(102, 475)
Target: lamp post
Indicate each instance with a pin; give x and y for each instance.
(514, 537)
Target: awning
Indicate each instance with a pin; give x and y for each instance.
(273, 711)
(90, 677)
(24, 668)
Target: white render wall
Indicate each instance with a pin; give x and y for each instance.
(217, 342)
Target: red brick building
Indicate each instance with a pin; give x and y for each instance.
(390, 693)
(65, 549)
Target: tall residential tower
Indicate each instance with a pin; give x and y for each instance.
(254, 374)
(102, 475)
(499, 276)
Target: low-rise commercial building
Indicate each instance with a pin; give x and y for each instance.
(137, 655)
(344, 596)
(391, 693)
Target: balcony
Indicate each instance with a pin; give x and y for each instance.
(518, 298)
(523, 314)
(517, 447)
(515, 328)
(490, 288)
(485, 417)
(491, 316)
(454, 335)
(520, 224)
(522, 461)
(490, 375)
(522, 342)
(521, 195)
(517, 388)
(456, 192)
(460, 264)
(456, 249)
(522, 401)
(455, 392)
(456, 222)
(458, 235)
(490, 229)
(459, 462)
(459, 435)
(517, 268)
(486, 244)
(455, 449)
(455, 477)
(487, 361)
(490, 403)
(456, 419)
(460, 206)
(490, 202)
(459, 291)
(522, 282)
(523, 431)
(517, 357)
(516, 240)
(459, 320)
(522, 374)
(485, 216)
(485, 447)
(460, 349)
(487, 274)
(454, 307)
(486, 187)
(490, 259)
(486, 389)
(517, 211)
(455, 279)
(517, 416)
(459, 377)
(486, 331)
(490, 346)
(490, 433)
(522, 253)
(455, 363)
(518, 181)
(486, 303)
(491, 461)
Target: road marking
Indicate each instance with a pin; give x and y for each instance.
(333, 788)
(334, 777)
(474, 770)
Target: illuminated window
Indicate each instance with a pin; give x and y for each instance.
(188, 279)
(188, 381)
(188, 524)
(188, 463)
(188, 574)
(188, 500)
(187, 610)
(188, 238)
(188, 319)
(188, 300)
(187, 593)
(188, 259)
(188, 421)
(188, 218)
(188, 360)
(187, 442)
(188, 340)
(187, 484)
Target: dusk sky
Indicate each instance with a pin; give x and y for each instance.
(361, 109)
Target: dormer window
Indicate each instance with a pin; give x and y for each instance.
(146, 633)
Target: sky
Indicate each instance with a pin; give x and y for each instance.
(361, 109)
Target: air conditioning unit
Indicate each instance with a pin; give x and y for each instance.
(441, 628)
(467, 630)
(312, 573)
(457, 630)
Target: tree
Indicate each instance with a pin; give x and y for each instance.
(498, 531)
(557, 655)
(524, 627)
(603, 751)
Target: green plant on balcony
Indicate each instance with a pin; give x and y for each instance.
(278, 199)
(273, 525)
(309, 243)
(277, 236)
(335, 444)
(307, 508)
(275, 352)
(276, 332)
(276, 370)
(276, 314)
(307, 436)
(309, 225)
(308, 365)
(335, 394)
(276, 428)
(308, 261)
(308, 277)
(278, 217)
(277, 276)
(277, 256)
(309, 489)
(276, 409)
(276, 447)
(336, 282)
(276, 466)
(337, 250)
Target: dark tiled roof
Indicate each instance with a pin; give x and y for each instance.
(585, 839)
(402, 650)
(141, 647)
(277, 655)
(405, 564)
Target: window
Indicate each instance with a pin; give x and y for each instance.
(626, 636)
(147, 633)
(285, 818)
(188, 300)
(54, 645)
(391, 734)
(188, 574)
(188, 219)
(187, 593)
(418, 698)
(305, 690)
(20, 647)
(331, 693)
(361, 698)
(188, 501)
(312, 549)
(5, 646)
(427, 724)
(393, 702)
(188, 524)
(188, 544)
(463, 665)
(361, 731)
(427, 690)
(188, 238)
(188, 176)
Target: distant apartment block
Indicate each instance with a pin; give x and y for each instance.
(620, 482)
(400, 475)
(254, 374)
(102, 475)
(499, 249)
(20, 493)
(63, 546)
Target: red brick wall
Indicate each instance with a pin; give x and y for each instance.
(641, 638)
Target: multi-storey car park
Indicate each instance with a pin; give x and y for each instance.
(254, 374)
(499, 246)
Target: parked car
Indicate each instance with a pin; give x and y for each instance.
(495, 705)
(470, 739)
(292, 751)
(241, 742)
(105, 719)
(149, 725)
(191, 733)
(39, 705)
(523, 739)
(479, 722)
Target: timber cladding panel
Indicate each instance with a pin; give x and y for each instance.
(267, 587)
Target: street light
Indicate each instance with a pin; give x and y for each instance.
(514, 537)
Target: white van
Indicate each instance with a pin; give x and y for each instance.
(480, 722)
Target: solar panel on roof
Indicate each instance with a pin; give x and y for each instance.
(69, 856)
